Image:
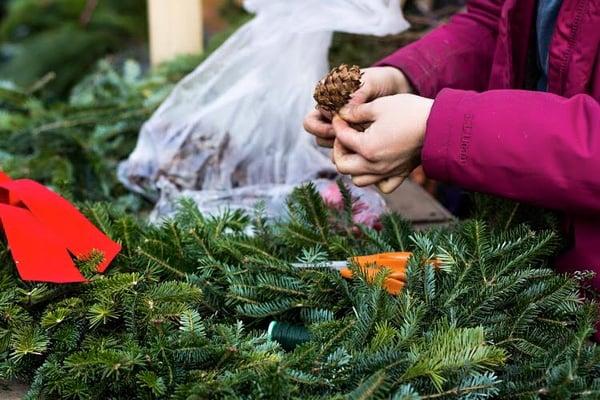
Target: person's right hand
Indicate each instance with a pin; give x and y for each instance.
(376, 82)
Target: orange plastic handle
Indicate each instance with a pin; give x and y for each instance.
(371, 272)
(372, 264)
(392, 284)
(395, 262)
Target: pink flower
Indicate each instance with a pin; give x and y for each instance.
(361, 212)
(332, 196)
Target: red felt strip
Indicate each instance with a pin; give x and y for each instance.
(61, 218)
(4, 177)
(38, 252)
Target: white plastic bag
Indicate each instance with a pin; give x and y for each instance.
(231, 131)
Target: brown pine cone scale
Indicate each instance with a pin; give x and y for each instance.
(336, 88)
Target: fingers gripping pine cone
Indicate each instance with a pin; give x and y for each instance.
(336, 88)
(334, 91)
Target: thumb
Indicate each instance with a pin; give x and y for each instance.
(357, 113)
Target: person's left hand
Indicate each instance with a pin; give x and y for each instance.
(389, 148)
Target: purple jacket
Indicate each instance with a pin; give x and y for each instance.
(485, 135)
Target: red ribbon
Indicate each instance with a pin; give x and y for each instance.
(44, 231)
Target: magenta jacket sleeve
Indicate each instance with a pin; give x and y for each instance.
(457, 55)
(534, 147)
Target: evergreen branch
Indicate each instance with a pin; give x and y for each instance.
(87, 121)
(511, 216)
(397, 231)
(159, 262)
(457, 391)
(371, 388)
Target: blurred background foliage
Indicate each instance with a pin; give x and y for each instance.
(58, 41)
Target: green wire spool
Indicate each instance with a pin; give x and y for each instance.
(288, 336)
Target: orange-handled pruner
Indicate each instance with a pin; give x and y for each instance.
(395, 262)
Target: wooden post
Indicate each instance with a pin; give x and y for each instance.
(175, 28)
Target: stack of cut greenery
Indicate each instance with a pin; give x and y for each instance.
(183, 314)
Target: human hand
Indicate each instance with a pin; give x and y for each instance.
(389, 148)
(376, 82)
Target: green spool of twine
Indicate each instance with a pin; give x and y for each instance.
(288, 336)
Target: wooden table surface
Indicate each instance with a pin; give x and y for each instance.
(417, 206)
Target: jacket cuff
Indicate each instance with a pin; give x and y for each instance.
(447, 136)
(413, 66)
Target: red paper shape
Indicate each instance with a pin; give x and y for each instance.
(3, 177)
(43, 230)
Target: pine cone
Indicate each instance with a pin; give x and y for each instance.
(336, 88)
